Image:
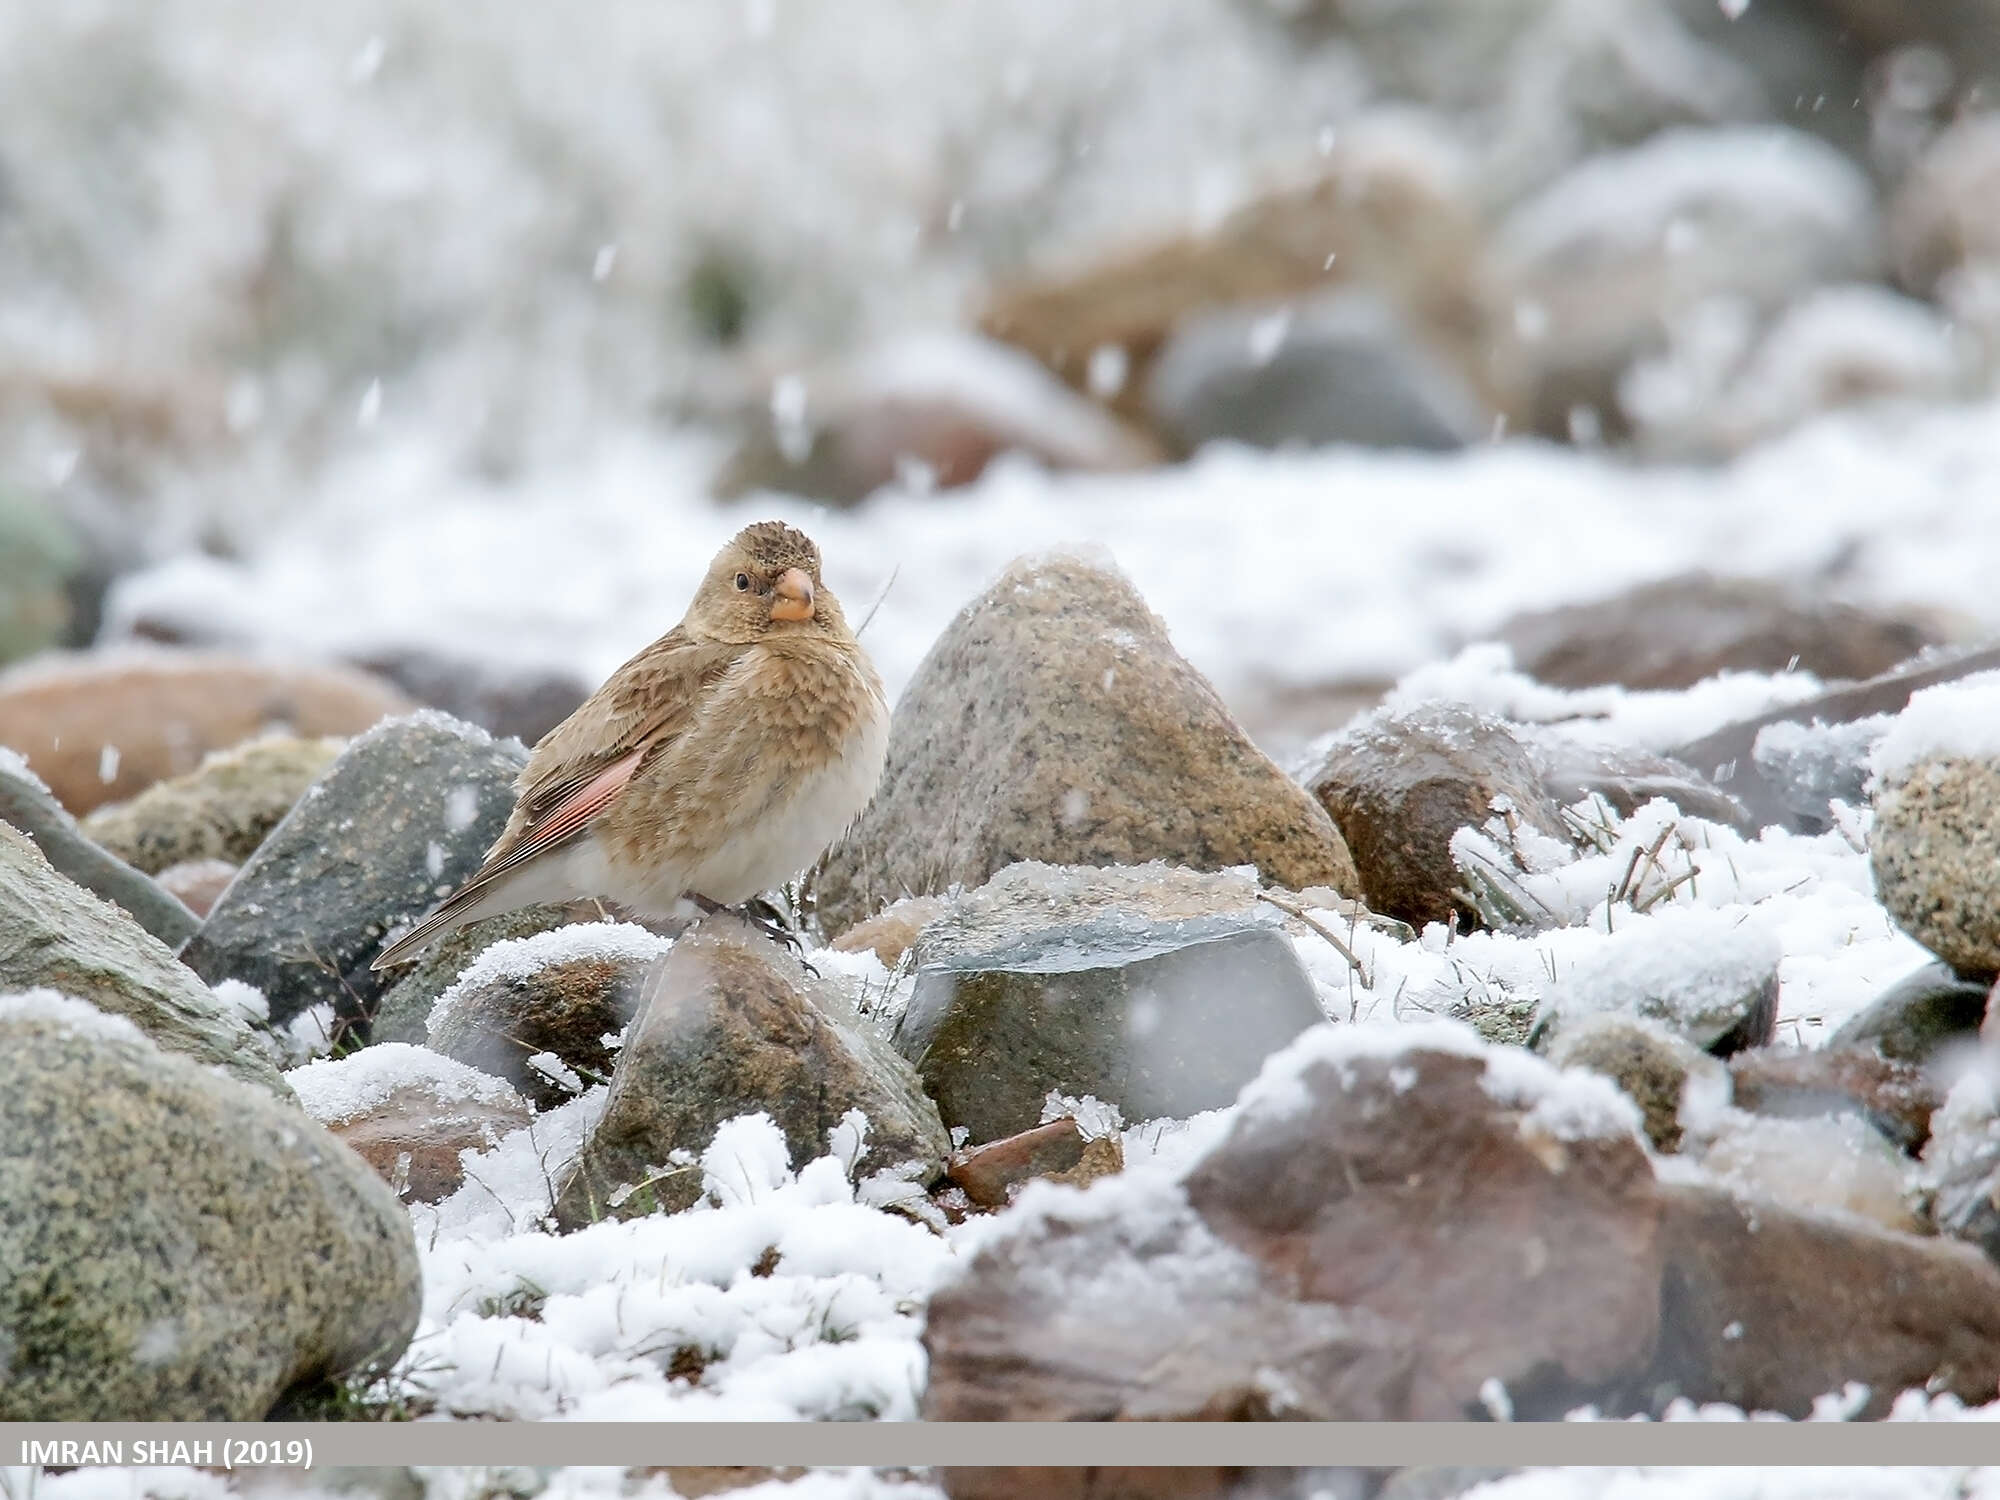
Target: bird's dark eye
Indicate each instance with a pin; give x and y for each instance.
(742, 582)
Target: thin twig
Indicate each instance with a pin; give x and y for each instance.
(878, 600)
(1319, 927)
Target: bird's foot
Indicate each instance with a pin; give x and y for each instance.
(777, 926)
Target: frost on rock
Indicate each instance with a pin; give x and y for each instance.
(521, 958)
(246, 999)
(1703, 974)
(336, 1090)
(72, 1015)
(13, 764)
(1568, 1104)
(1955, 720)
(1814, 765)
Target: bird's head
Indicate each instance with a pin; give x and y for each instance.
(765, 582)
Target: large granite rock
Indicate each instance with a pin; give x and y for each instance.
(403, 816)
(1055, 721)
(222, 810)
(27, 805)
(1157, 990)
(101, 727)
(56, 935)
(1935, 853)
(176, 1245)
(730, 1024)
(1402, 782)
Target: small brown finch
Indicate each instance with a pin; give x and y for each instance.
(714, 765)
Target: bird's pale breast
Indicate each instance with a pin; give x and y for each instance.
(782, 756)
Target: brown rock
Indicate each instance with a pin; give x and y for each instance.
(516, 1005)
(1681, 630)
(409, 1112)
(1382, 217)
(1377, 1238)
(1055, 721)
(1401, 783)
(890, 934)
(1767, 1309)
(198, 883)
(1897, 1098)
(1057, 1150)
(102, 727)
(220, 811)
(731, 1024)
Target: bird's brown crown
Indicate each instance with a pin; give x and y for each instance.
(772, 547)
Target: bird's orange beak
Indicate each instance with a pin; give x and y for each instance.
(795, 596)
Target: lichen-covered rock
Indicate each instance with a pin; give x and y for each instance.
(405, 814)
(222, 810)
(730, 1024)
(56, 935)
(29, 806)
(1055, 721)
(176, 1245)
(546, 1012)
(1158, 990)
(408, 1113)
(1650, 1063)
(102, 726)
(1402, 782)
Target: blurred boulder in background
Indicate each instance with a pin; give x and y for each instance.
(1391, 211)
(1680, 630)
(1332, 369)
(927, 413)
(39, 561)
(1618, 255)
(102, 727)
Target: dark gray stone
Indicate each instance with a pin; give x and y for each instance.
(1338, 369)
(731, 1024)
(56, 935)
(1729, 754)
(1926, 1010)
(27, 805)
(510, 701)
(176, 1245)
(1162, 1003)
(405, 814)
(1626, 777)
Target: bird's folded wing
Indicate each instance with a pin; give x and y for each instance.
(583, 764)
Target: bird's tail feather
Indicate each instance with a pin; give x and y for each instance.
(453, 914)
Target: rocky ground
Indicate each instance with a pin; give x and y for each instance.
(1439, 847)
(1484, 1066)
